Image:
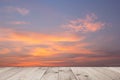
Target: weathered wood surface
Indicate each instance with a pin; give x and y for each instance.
(59, 73)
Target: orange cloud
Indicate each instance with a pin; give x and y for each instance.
(42, 52)
(40, 49)
(43, 47)
(38, 63)
(28, 64)
(35, 38)
(32, 38)
(88, 24)
(75, 48)
(4, 51)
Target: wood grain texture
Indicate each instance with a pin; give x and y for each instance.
(30, 73)
(80, 73)
(51, 74)
(65, 73)
(59, 73)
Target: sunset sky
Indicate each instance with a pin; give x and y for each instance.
(59, 32)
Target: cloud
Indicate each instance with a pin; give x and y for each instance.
(39, 49)
(62, 59)
(18, 23)
(87, 24)
(28, 48)
(33, 37)
(4, 51)
(22, 11)
(39, 44)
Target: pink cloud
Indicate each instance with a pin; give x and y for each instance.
(88, 24)
(18, 22)
(22, 11)
(4, 51)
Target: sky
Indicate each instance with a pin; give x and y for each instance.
(59, 33)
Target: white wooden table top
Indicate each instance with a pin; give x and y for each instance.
(59, 73)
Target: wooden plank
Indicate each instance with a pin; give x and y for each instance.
(114, 69)
(80, 74)
(101, 76)
(60, 73)
(29, 73)
(4, 69)
(11, 72)
(92, 74)
(65, 73)
(50, 74)
(112, 74)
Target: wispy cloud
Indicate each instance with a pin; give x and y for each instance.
(28, 48)
(4, 51)
(20, 10)
(87, 24)
(53, 42)
(18, 23)
(34, 37)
